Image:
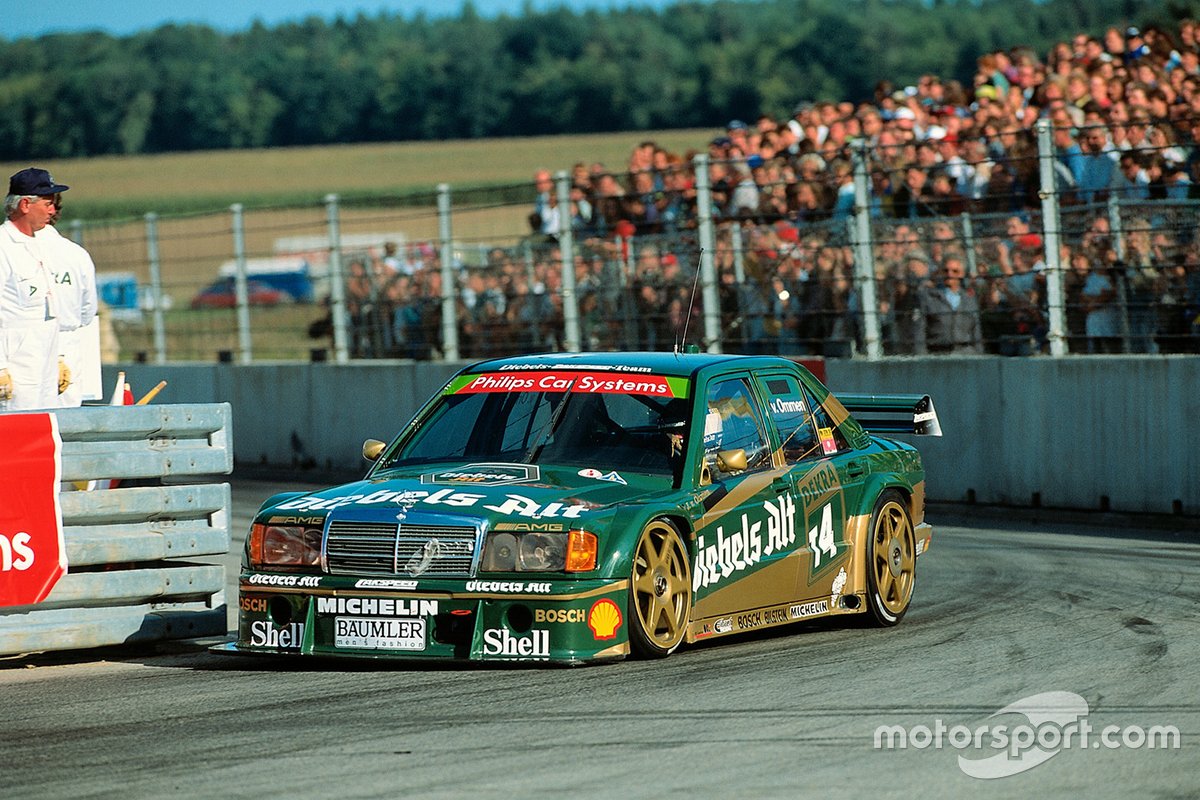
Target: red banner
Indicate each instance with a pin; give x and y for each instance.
(32, 555)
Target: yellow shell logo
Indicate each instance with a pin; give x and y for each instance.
(604, 619)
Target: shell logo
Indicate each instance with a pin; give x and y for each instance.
(604, 619)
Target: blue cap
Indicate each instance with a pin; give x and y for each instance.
(32, 181)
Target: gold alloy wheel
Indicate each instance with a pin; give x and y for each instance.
(661, 589)
(894, 555)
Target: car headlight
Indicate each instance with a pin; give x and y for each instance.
(569, 551)
(284, 546)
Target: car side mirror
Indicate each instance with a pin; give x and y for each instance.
(732, 460)
(372, 449)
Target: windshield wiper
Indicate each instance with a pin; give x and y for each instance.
(550, 427)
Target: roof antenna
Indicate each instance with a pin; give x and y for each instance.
(691, 302)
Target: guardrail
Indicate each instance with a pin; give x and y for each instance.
(131, 573)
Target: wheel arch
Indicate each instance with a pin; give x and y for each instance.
(879, 482)
(628, 525)
(685, 529)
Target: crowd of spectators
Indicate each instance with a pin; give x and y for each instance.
(1125, 114)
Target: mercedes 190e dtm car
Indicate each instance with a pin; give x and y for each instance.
(585, 507)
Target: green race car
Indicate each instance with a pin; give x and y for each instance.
(586, 507)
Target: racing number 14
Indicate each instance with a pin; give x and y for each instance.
(820, 537)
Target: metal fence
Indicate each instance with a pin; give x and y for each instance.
(734, 255)
(136, 552)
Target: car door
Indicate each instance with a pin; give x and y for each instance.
(747, 529)
(825, 479)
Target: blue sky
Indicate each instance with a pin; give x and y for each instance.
(128, 16)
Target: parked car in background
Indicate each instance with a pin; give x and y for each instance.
(223, 294)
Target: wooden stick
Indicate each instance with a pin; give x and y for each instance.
(151, 394)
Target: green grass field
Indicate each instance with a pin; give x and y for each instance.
(129, 186)
(282, 190)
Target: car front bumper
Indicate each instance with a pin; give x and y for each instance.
(499, 619)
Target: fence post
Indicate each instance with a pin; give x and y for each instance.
(968, 237)
(241, 292)
(739, 254)
(1117, 231)
(625, 279)
(76, 227)
(527, 254)
(337, 283)
(1050, 226)
(738, 245)
(449, 277)
(708, 276)
(627, 247)
(864, 256)
(1115, 228)
(156, 292)
(566, 247)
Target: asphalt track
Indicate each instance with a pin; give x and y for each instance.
(1004, 610)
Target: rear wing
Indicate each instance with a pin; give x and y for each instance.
(893, 413)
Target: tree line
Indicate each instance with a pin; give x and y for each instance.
(392, 77)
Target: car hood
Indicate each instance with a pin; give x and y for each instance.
(492, 492)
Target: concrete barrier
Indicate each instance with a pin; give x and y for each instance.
(1116, 433)
(1103, 433)
(131, 552)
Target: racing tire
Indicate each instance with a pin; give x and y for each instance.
(660, 591)
(891, 555)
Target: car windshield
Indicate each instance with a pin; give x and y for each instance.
(602, 430)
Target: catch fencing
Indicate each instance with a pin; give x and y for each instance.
(142, 558)
(732, 254)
